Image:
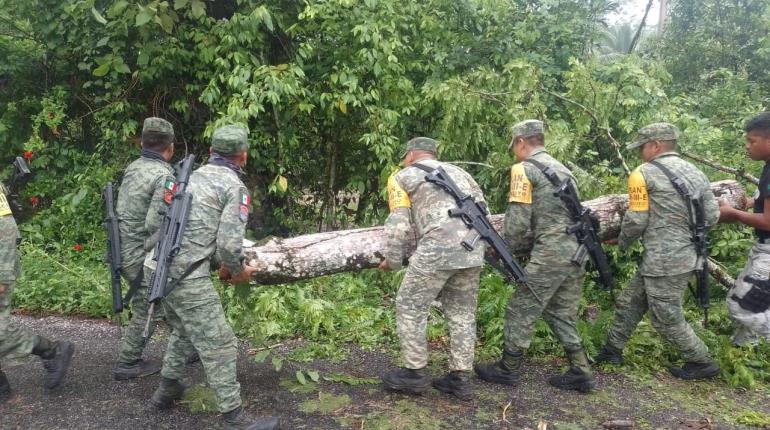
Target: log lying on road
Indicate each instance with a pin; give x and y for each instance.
(312, 255)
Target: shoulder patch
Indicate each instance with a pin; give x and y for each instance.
(5, 208)
(397, 197)
(521, 187)
(243, 210)
(169, 189)
(638, 200)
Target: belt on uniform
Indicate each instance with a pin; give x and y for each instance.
(764, 241)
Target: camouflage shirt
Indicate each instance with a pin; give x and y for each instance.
(217, 222)
(147, 188)
(420, 209)
(659, 216)
(9, 236)
(536, 219)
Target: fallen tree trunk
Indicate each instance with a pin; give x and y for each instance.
(312, 255)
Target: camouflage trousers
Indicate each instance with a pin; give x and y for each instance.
(133, 340)
(458, 291)
(750, 325)
(558, 289)
(15, 341)
(195, 314)
(662, 296)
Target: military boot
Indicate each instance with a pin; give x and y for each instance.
(56, 358)
(578, 377)
(137, 369)
(609, 354)
(505, 371)
(5, 387)
(692, 371)
(238, 419)
(414, 381)
(457, 383)
(169, 391)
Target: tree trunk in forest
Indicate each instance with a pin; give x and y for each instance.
(312, 255)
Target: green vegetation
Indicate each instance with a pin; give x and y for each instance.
(330, 90)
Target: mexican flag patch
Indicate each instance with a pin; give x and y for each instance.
(169, 189)
(245, 199)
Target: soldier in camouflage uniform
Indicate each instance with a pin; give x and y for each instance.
(215, 230)
(439, 267)
(17, 341)
(658, 216)
(147, 188)
(537, 220)
(748, 304)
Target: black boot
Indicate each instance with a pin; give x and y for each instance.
(505, 371)
(457, 383)
(169, 391)
(137, 369)
(56, 360)
(578, 377)
(238, 419)
(692, 371)
(609, 354)
(414, 381)
(5, 388)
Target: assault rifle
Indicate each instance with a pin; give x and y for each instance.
(701, 242)
(696, 218)
(114, 261)
(474, 215)
(171, 232)
(585, 226)
(20, 176)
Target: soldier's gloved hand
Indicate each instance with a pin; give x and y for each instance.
(244, 277)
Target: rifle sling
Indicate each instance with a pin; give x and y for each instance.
(193, 267)
(133, 285)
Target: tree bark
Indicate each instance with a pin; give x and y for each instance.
(312, 255)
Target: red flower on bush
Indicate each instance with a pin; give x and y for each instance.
(77, 247)
(33, 201)
(28, 155)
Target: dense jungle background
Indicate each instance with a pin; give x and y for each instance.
(330, 90)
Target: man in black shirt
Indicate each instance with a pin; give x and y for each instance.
(749, 301)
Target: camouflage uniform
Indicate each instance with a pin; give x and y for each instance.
(15, 341)
(439, 267)
(658, 216)
(536, 219)
(215, 229)
(147, 188)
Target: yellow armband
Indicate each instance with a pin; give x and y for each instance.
(638, 200)
(521, 187)
(397, 197)
(5, 208)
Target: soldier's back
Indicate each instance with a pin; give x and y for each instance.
(212, 187)
(439, 235)
(140, 181)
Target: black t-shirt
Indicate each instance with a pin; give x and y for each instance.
(759, 203)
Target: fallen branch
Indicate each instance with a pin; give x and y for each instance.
(739, 173)
(303, 257)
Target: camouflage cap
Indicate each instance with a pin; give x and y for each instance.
(526, 128)
(655, 131)
(420, 144)
(230, 139)
(154, 124)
